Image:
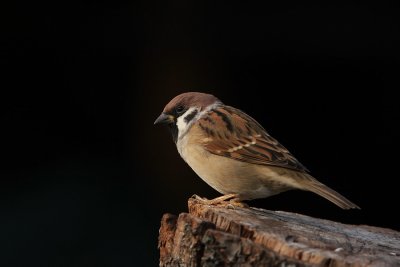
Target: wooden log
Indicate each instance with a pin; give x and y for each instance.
(226, 236)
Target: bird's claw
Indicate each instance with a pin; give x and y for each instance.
(222, 201)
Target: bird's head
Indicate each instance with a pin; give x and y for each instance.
(183, 110)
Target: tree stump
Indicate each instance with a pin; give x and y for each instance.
(226, 236)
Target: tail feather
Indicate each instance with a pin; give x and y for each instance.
(329, 194)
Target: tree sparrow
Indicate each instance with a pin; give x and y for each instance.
(232, 153)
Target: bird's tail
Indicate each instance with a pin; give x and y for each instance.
(311, 184)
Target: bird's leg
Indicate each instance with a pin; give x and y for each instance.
(236, 202)
(214, 201)
(221, 201)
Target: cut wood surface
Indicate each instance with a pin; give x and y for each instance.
(226, 236)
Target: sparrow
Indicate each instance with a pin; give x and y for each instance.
(234, 154)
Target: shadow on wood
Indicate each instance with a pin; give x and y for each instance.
(222, 236)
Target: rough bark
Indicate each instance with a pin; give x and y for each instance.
(223, 236)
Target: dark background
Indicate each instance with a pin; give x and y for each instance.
(86, 177)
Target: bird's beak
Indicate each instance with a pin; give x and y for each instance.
(164, 119)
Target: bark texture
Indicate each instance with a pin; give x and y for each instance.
(223, 236)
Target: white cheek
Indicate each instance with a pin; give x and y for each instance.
(182, 125)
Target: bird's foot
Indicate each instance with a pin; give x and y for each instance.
(234, 201)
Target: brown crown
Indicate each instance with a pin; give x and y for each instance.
(191, 99)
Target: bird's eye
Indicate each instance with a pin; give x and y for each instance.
(179, 109)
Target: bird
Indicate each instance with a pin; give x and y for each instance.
(234, 154)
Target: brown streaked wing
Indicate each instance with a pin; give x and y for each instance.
(234, 134)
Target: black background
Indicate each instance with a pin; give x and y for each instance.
(86, 176)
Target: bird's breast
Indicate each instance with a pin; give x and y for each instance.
(227, 175)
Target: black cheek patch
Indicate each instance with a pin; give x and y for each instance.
(191, 116)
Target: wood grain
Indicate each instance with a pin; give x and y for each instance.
(226, 236)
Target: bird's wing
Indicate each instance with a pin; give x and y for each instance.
(234, 134)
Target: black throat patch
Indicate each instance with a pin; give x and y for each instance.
(190, 116)
(174, 131)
